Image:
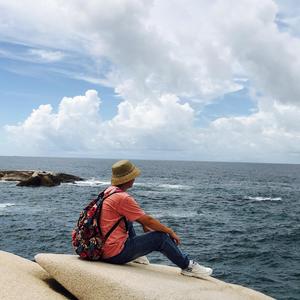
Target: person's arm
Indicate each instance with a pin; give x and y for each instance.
(149, 222)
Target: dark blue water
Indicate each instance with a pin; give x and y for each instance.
(241, 219)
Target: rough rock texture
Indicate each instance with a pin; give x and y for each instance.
(97, 280)
(23, 279)
(38, 178)
(15, 175)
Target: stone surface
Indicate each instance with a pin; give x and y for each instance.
(15, 175)
(23, 279)
(38, 178)
(96, 280)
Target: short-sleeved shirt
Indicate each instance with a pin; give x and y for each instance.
(114, 207)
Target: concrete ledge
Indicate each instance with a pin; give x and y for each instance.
(97, 280)
(23, 279)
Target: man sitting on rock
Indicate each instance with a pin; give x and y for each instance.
(124, 246)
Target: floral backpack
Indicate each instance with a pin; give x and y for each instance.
(87, 238)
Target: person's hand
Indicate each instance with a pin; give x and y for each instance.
(175, 237)
(146, 229)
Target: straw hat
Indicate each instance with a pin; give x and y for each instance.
(123, 171)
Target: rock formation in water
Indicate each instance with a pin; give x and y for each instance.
(38, 178)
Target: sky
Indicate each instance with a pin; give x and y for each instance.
(183, 80)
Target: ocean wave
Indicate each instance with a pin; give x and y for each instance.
(175, 214)
(90, 182)
(96, 182)
(173, 186)
(263, 198)
(4, 205)
(162, 186)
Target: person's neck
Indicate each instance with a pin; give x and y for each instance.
(123, 187)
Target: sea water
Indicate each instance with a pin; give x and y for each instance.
(240, 219)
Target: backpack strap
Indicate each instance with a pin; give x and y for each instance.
(99, 210)
(115, 226)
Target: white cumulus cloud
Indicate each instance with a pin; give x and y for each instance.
(166, 60)
(72, 126)
(165, 125)
(77, 126)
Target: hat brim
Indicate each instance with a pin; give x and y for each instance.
(123, 179)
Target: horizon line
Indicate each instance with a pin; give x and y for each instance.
(149, 159)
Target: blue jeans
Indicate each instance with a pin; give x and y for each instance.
(136, 246)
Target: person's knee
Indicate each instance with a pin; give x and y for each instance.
(161, 238)
(160, 235)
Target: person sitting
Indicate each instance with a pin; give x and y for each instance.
(123, 245)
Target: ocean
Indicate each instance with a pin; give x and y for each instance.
(241, 219)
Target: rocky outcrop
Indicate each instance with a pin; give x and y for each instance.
(23, 279)
(61, 276)
(15, 175)
(38, 178)
(88, 280)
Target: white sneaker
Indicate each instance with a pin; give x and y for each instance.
(196, 270)
(142, 260)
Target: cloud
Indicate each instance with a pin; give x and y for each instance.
(273, 130)
(77, 126)
(166, 60)
(194, 49)
(123, 33)
(162, 126)
(288, 17)
(71, 127)
(46, 55)
(32, 55)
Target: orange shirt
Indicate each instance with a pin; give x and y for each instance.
(114, 207)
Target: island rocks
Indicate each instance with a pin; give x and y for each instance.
(38, 178)
(15, 175)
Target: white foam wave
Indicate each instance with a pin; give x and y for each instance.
(264, 198)
(4, 205)
(96, 182)
(151, 185)
(175, 214)
(90, 182)
(142, 184)
(174, 186)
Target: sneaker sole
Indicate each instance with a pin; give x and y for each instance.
(190, 274)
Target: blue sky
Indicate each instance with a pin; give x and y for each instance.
(220, 85)
(26, 84)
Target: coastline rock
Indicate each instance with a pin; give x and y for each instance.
(15, 175)
(23, 279)
(97, 280)
(38, 178)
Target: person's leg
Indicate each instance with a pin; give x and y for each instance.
(147, 243)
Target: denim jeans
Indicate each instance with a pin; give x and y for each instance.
(136, 246)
